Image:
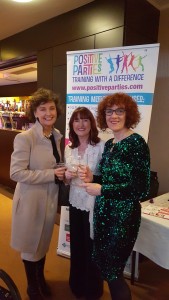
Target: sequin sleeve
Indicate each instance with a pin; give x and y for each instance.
(128, 176)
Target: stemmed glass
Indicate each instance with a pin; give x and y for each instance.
(72, 165)
(83, 162)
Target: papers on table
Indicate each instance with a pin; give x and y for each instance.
(157, 211)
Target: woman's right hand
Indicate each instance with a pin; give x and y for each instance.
(60, 172)
(85, 174)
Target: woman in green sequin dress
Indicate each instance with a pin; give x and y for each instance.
(124, 181)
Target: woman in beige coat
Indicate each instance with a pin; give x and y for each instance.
(33, 167)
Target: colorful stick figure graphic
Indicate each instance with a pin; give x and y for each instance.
(118, 59)
(139, 59)
(132, 58)
(111, 65)
(125, 62)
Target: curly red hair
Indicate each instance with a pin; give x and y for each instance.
(121, 100)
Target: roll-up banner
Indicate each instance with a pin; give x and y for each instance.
(93, 74)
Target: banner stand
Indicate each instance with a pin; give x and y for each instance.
(63, 248)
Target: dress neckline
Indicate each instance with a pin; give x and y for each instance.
(115, 143)
(123, 138)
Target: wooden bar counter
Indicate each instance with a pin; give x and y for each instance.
(6, 148)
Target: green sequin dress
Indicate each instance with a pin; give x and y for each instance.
(125, 179)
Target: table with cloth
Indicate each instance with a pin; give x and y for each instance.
(153, 237)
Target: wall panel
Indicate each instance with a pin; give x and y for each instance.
(110, 38)
(59, 52)
(45, 68)
(159, 126)
(141, 23)
(59, 86)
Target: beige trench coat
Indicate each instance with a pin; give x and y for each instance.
(32, 167)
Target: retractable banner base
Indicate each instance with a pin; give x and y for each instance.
(63, 248)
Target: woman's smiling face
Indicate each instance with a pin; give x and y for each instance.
(116, 122)
(47, 114)
(81, 127)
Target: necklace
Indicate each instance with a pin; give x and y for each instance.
(113, 144)
(48, 135)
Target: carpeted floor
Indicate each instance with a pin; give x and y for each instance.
(153, 282)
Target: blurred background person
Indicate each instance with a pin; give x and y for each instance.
(33, 167)
(85, 148)
(124, 181)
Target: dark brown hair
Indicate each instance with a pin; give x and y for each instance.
(84, 113)
(42, 96)
(121, 100)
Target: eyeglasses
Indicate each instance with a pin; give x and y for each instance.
(118, 111)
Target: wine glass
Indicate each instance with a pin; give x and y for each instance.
(72, 166)
(60, 165)
(83, 162)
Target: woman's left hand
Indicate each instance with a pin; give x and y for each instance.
(93, 189)
(85, 173)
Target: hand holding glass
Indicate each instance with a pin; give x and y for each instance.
(71, 172)
(74, 169)
(85, 174)
(82, 168)
(72, 165)
(60, 169)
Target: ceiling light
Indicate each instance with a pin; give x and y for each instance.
(22, 0)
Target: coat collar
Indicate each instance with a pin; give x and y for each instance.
(37, 127)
